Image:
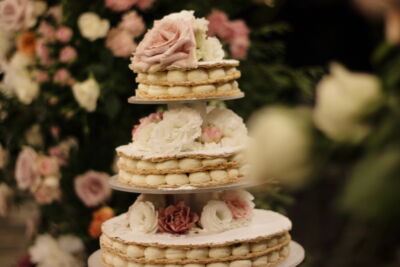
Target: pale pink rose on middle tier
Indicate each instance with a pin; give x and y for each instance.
(26, 172)
(64, 34)
(119, 5)
(211, 134)
(132, 23)
(171, 42)
(143, 122)
(92, 188)
(47, 165)
(67, 54)
(240, 203)
(62, 76)
(120, 42)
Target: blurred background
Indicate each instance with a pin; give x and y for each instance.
(321, 79)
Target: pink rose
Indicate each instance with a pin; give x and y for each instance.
(240, 203)
(47, 31)
(67, 54)
(41, 76)
(239, 48)
(219, 24)
(92, 188)
(211, 134)
(64, 34)
(238, 29)
(62, 76)
(132, 23)
(26, 172)
(176, 219)
(144, 4)
(120, 42)
(119, 5)
(48, 191)
(152, 118)
(43, 52)
(47, 165)
(171, 42)
(16, 14)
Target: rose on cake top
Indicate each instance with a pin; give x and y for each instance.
(185, 129)
(178, 40)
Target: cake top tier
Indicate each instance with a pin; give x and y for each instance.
(177, 41)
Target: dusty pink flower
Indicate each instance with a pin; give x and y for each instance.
(133, 23)
(62, 76)
(152, 118)
(67, 54)
(171, 42)
(120, 42)
(64, 34)
(16, 14)
(26, 172)
(211, 134)
(144, 4)
(119, 5)
(47, 165)
(219, 24)
(48, 191)
(92, 188)
(240, 207)
(56, 12)
(41, 76)
(176, 219)
(238, 29)
(239, 47)
(42, 52)
(47, 31)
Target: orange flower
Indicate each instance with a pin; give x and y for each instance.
(98, 217)
(26, 43)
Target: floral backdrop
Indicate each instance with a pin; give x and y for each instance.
(63, 109)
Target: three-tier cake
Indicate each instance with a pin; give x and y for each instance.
(191, 147)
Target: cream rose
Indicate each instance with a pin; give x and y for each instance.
(343, 99)
(216, 217)
(86, 93)
(171, 42)
(92, 27)
(142, 217)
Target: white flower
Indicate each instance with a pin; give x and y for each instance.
(71, 244)
(177, 131)
(5, 199)
(86, 93)
(33, 136)
(343, 99)
(142, 217)
(232, 126)
(92, 27)
(281, 144)
(211, 49)
(216, 217)
(4, 155)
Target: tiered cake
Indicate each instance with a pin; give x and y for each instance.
(191, 147)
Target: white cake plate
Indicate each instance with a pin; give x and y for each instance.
(186, 189)
(136, 100)
(296, 256)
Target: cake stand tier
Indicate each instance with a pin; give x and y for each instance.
(295, 257)
(136, 100)
(186, 189)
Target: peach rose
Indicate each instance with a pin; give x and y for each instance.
(133, 23)
(120, 42)
(98, 217)
(211, 134)
(25, 169)
(26, 43)
(171, 42)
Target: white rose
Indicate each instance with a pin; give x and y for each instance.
(343, 99)
(216, 217)
(92, 27)
(5, 199)
(33, 136)
(4, 155)
(71, 244)
(177, 131)
(142, 217)
(86, 93)
(211, 49)
(281, 144)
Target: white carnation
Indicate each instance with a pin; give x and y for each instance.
(86, 93)
(176, 132)
(216, 217)
(211, 49)
(343, 99)
(92, 27)
(142, 217)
